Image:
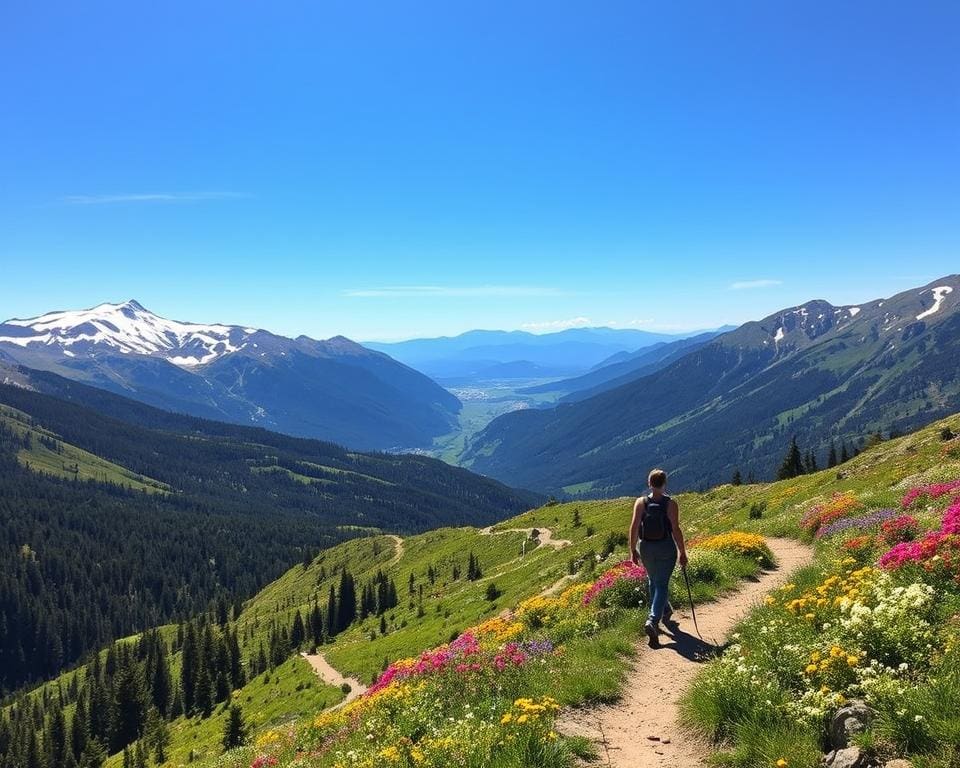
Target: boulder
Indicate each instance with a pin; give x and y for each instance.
(848, 721)
(850, 757)
(898, 763)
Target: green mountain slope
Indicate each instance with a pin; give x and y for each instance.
(577, 542)
(821, 373)
(111, 527)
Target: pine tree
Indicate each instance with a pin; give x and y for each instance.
(792, 465)
(161, 687)
(737, 478)
(844, 455)
(333, 613)
(189, 668)
(56, 741)
(235, 730)
(79, 728)
(832, 456)
(346, 601)
(129, 706)
(297, 632)
(317, 625)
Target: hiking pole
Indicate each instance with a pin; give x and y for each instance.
(690, 595)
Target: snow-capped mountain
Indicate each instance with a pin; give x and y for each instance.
(824, 374)
(128, 328)
(334, 389)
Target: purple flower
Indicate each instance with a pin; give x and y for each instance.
(857, 523)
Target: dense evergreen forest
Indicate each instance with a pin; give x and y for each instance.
(124, 698)
(85, 562)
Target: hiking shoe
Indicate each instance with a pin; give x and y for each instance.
(653, 634)
(668, 615)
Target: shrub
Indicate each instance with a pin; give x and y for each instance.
(751, 545)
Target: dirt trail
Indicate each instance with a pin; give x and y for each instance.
(648, 708)
(545, 538)
(400, 550)
(329, 675)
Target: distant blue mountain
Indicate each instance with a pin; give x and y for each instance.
(564, 353)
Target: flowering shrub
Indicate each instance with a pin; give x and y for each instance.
(839, 506)
(899, 529)
(612, 581)
(929, 492)
(937, 553)
(750, 545)
(859, 523)
(857, 631)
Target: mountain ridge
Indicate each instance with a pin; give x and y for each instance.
(819, 372)
(334, 389)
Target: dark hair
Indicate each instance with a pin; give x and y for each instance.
(657, 478)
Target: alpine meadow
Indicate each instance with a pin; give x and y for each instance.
(540, 385)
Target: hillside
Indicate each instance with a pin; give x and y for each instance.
(824, 374)
(333, 390)
(111, 526)
(621, 369)
(578, 542)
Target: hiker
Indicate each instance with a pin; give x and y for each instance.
(656, 540)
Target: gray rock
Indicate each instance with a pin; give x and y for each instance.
(848, 721)
(899, 763)
(851, 757)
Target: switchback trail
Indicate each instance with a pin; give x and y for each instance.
(544, 539)
(330, 676)
(642, 729)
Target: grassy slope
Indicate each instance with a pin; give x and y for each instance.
(878, 476)
(73, 463)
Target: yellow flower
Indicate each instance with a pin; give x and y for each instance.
(782, 763)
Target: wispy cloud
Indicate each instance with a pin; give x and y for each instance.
(558, 325)
(151, 197)
(746, 285)
(448, 291)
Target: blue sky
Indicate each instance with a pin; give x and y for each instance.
(386, 170)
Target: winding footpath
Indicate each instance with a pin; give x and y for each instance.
(642, 729)
(329, 675)
(543, 539)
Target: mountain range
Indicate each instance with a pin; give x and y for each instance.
(817, 372)
(482, 354)
(333, 390)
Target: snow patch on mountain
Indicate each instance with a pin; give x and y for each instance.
(127, 328)
(939, 294)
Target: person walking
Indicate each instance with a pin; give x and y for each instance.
(656, 541)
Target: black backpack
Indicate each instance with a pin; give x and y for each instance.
(654, 523)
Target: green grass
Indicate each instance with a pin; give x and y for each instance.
(70, 462)
(596, 669)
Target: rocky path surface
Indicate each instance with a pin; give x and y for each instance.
(642, 729)
(332, 677)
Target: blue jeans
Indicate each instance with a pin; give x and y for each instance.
(659, 558)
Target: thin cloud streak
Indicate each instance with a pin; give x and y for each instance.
(441, 291)
(151, 197)
(746, 285)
